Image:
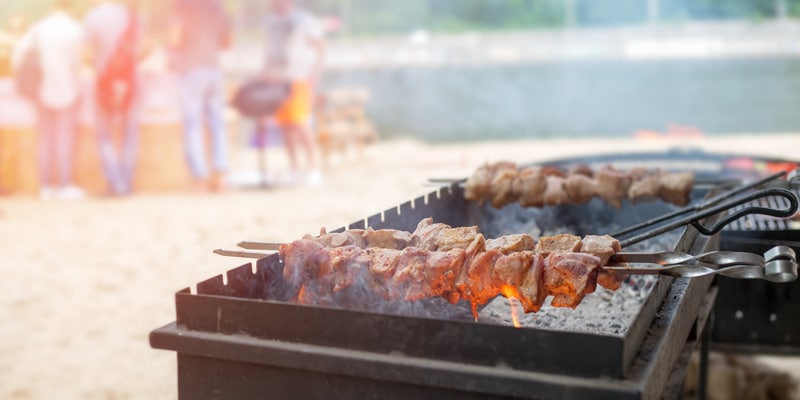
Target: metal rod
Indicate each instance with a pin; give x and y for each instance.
(708, 203)
(698, 182)
(694, 219)
(447, 181)
(241, 254)
(270, 246)
(705, 346)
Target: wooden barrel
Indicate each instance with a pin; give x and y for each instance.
(18, 166)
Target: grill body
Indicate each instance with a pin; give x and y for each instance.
(240, 338)
(758, 316)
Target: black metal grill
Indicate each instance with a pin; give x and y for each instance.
(240, 337)
(248, 320)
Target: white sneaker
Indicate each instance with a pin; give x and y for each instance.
(46, 193)
(314, 178)
(291, 178)
(70, 192)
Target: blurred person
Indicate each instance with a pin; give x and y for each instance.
(113, 32)
(201, 32)
(8, 39)
(55, 44)
(295, 51)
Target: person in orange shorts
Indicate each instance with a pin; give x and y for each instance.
(294, 55)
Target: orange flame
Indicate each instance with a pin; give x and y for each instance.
(511, 293)
(301, 295)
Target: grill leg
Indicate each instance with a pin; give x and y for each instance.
(705, 343)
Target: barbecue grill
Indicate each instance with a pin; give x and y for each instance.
(240, 336)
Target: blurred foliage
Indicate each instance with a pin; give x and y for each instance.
(448, 15)
(716, 9)
(611, 12)
(371, 17)
(367, 17)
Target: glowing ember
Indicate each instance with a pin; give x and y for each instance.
(511, 293)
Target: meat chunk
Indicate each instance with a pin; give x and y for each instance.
(462, 283)
(609, 279)
(479, 286)
(409, 275)
(581, 169)
(532, 292)
(512, 243)
(676, 188)
(425, 235)
(563, 243)
(502, 187)
(569, 276)
(529, 187)
(299, 264)
(387, 238)
(580, 188)
(352, 237)
(601, 246)
(479, 183)
(441, 270)
(424, 223)
(338, 267)
(613, 185)
(645, 188)
(549, 170)
(638, 173)
(454, 238)
(382, 262)
(555, 193)
(510, 269)
(381, 265)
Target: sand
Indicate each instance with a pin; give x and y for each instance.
(85, 282)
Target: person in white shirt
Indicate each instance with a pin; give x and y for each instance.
(295, 52)
(58, 41)
(201, 31)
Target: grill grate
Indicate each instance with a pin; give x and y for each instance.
(761, 222)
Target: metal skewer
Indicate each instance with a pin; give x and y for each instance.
(700, 183)
(271, 246)
(240, 253)
(779, 264)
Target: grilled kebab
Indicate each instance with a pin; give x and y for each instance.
(456, 263)
(502, 183)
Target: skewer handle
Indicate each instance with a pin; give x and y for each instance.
(240, 253)
(270, 246)
(779, 264)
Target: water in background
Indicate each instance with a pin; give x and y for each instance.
(581, 98)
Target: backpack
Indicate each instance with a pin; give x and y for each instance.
(28, 77)
(116, 82)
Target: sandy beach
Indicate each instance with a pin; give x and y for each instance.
(85, 282)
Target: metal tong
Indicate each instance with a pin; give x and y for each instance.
(778, 264)
(717, 205)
